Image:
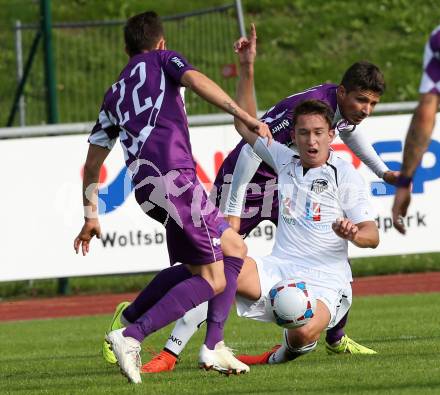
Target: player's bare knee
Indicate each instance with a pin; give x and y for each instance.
(240, 248)
(303, 336)
(214, 274)
(219, 284)
(297, 337)
(295, 347)
(233, 244)
(216, 280)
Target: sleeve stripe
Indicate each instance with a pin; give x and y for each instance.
(102, 139)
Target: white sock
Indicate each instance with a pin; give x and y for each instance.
(288, 353)
(279, 356)
(186, 327)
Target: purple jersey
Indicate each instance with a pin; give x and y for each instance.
(145, 109)
(431, 64)
(279, 118)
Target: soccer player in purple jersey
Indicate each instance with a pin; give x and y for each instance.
(145, 110)
(420, 129)
(352, 101)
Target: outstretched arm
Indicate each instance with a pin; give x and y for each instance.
(248, 161)
(363, 149)
(95, 158)
(417, 142)
(245, 168)
(211, 92)
(246, 49)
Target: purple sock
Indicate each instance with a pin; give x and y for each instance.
(335, 334)
(176, 302)
(219, 306)
(153, 292)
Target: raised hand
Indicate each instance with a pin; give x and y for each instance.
(246, 47)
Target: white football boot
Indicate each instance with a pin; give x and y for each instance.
(221, 359)
(127, 352)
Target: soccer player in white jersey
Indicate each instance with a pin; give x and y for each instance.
(323, 205)
(420, 130)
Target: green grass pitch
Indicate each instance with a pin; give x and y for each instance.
(62, 356)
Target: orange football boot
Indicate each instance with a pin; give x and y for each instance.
(161, 362)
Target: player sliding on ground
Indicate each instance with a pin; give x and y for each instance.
(323, 204)
(352, 100)
(145, 110)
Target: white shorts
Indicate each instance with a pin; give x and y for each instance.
(325, 287)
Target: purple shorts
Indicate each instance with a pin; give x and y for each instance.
(257, 208)
(179, 202)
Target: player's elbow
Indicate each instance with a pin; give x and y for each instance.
(374, 243)
(92, 169)
(373, 240)
(423, 122)
(95, 158)
(367, 236)
(425, 113)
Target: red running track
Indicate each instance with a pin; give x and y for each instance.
(69, 306)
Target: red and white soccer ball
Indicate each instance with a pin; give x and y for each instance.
(292, 303)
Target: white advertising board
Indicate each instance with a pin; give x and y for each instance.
(41, 206)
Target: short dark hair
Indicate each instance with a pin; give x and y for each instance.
(312, 107)
(364, 76)
(142, 32)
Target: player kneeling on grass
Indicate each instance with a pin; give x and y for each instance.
(323, 205)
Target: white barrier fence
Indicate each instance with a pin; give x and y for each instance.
(193, 120)
(41, 206)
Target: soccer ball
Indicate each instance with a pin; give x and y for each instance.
(291, 303)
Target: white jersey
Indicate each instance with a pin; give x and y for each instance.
(308, 205)
(248, 162)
